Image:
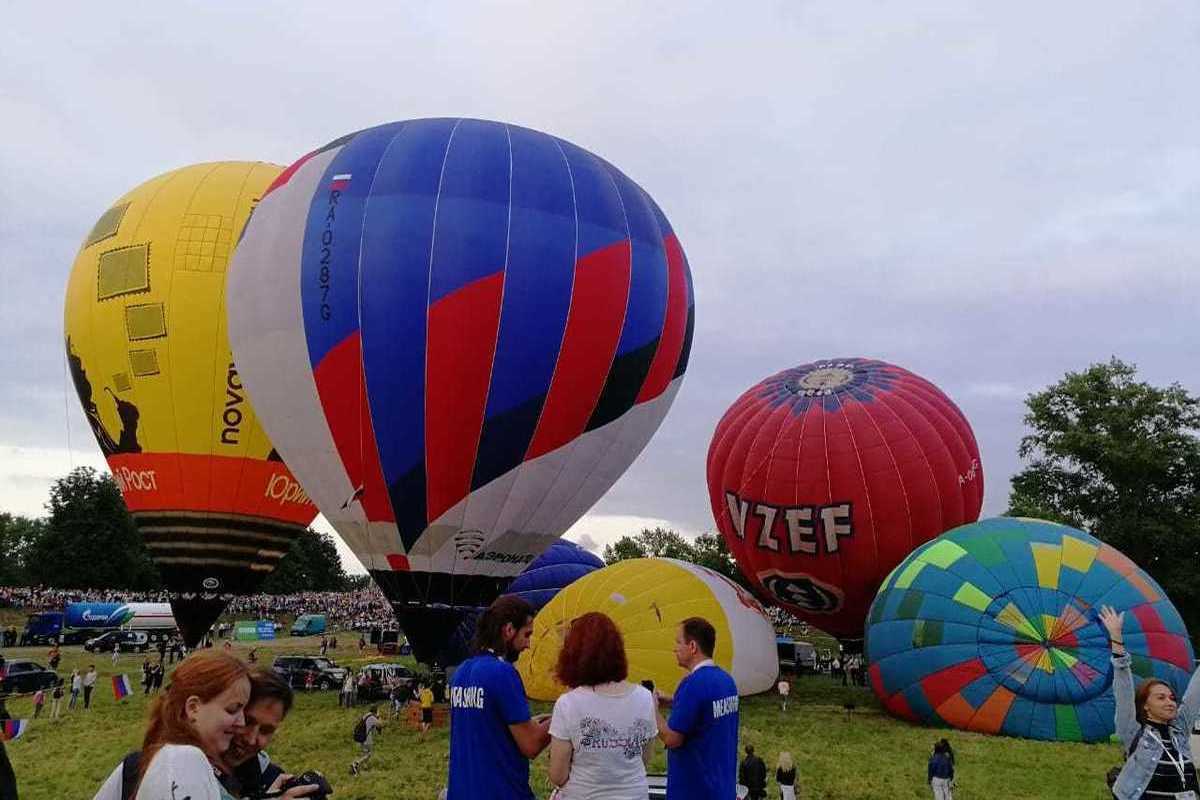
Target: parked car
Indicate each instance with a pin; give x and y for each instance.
(26, 676)
(295, 669)
(381, 678)
(129, 641)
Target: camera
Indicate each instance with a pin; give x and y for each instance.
(309, 778)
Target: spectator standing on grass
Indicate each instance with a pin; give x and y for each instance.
(702, 734)
(76, 688)
(752, 773)
(785, 689)
(56, 697)
(785, 776)
(492, 734)
(156, 677)
(89, 683)
(364, 735)
(147, 679)
(1153, 727)
(347, 688)
(426, 698)
(603, 730)
(54, 657)
(941, 771)
(116, 652)
(39, 700)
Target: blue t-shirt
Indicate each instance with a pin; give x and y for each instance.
(705, 711)
(486, 696)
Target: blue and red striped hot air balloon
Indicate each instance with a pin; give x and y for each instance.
(459, 333)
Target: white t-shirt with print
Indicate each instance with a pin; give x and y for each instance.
(607, 727)
(178, 772)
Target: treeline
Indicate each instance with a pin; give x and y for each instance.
(88, 540)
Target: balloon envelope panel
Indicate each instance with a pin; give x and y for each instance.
(993, 628)
(150, 359)
(648, 598)
(823, 477)
(460, 333)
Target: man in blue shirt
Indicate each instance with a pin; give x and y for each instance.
(492, 736)
(702, 734)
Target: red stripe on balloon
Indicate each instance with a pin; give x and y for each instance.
(670, 345)
(461, 343)
(348, 415)
(944, 684)
(593, 330)
(287, 174)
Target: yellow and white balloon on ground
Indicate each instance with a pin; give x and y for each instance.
(648, 598)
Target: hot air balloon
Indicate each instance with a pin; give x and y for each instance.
(648, 598)
(148, 353)
(993, 628)
(823, 477)
(459, 334)
(561, 565)
(551, 572)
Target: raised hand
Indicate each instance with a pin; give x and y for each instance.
(1112, 621)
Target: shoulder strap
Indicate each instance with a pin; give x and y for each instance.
(129, 774)
(1137, 737)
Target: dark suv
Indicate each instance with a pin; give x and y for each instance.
(295, 670)
(26, 676)
(129, 641)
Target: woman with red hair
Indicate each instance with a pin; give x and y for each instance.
(191, 726)
(602, 731)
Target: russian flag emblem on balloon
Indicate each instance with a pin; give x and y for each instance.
(12, 729)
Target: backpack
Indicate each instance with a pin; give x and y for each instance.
(360, 731)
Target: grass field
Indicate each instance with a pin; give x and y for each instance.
(863, 755)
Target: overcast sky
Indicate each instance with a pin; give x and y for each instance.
(989, 194)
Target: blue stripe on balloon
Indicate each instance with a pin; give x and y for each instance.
(537, 296)
(332, 237)
(601, 215)
(395, 273)
(472, 211)
(649, 281)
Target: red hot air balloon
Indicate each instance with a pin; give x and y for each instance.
(824, 477)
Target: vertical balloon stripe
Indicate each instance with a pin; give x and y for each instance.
(397, 240)
(589, 344)
(690, 327)
(462, 326)
(538, 278)
(670, 346)
(646, 309)
(467, 281)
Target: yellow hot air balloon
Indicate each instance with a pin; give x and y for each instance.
(648, 598)
(149, 355)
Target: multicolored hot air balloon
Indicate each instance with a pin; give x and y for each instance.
(647, 598)
(459, 334)
(823, 477)
(148, 353)
(993, 628)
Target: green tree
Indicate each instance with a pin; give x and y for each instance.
(710, 550)
(661, 542)
(311, 565)
(1120, 458)
(17, 534)
(89, 539)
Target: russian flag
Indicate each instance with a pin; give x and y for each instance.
(12, 729)
(340, 181)
(121, 687)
